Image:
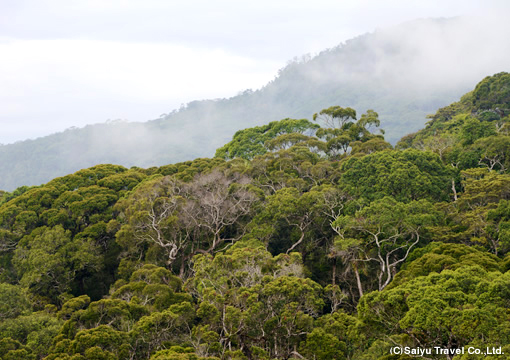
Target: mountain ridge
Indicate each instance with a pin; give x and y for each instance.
(386, 70)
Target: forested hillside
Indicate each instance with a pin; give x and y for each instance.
(300, 239)
(405, 73)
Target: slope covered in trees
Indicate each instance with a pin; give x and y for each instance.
(405, 73)
(300, 240)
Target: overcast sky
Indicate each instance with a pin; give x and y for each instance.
(70, 63)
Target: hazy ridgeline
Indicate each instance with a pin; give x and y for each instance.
(403, 73)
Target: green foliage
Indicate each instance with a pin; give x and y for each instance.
(272, 257)
(335, 116)
(370, 146)
(170, 325)
(437, 256)
(492, 93)
(472, 132)
(383, 232)
(474, 129)
(405, 175)
(82, 208)
(248, 143)
(154, 287)
(450, 309)
(343, 133)
(335, 336)
(48, 259)
(36, 331)
(13, 301)
(247, 293)
(467, 220)
(499, 226)
(73, 305)
(295, 214)
(179, 353)
(494, 152)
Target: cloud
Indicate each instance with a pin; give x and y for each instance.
(75, 82)
(68, 63)
(280, 29)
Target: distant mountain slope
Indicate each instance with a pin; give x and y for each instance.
(403, 73)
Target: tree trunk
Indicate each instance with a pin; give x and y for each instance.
(358, 280)
(333, 276)
(454, 191)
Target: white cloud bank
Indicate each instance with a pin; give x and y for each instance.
(52, 84)
(69, 63)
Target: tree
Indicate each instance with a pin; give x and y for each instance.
(335, 116)
(334, 337)
(13, 301)
(255, 302)
(405, 175)
(152, 287)
(492, 93)
(385, 232)
(250, 142)
(473, 129)
(469, 216)
(495, 152)
(499, 226)
(102, 342)
(440, 144)
(151, 331)
(439, 256)
(449, 310)
(368, 120)
(304, 217)
(343, 129)
(186, 218)
(35, 330)
(286, 141)
(370, 146)
(217, 203)
(152, 214)
(179, 353)
(300, 167)
(48, 259)
(339, 144)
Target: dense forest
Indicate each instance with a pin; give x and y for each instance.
(301, 239)
(404, 73)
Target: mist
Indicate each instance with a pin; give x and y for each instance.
(67, 64)
(403, 72)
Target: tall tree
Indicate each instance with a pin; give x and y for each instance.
(385, 232)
